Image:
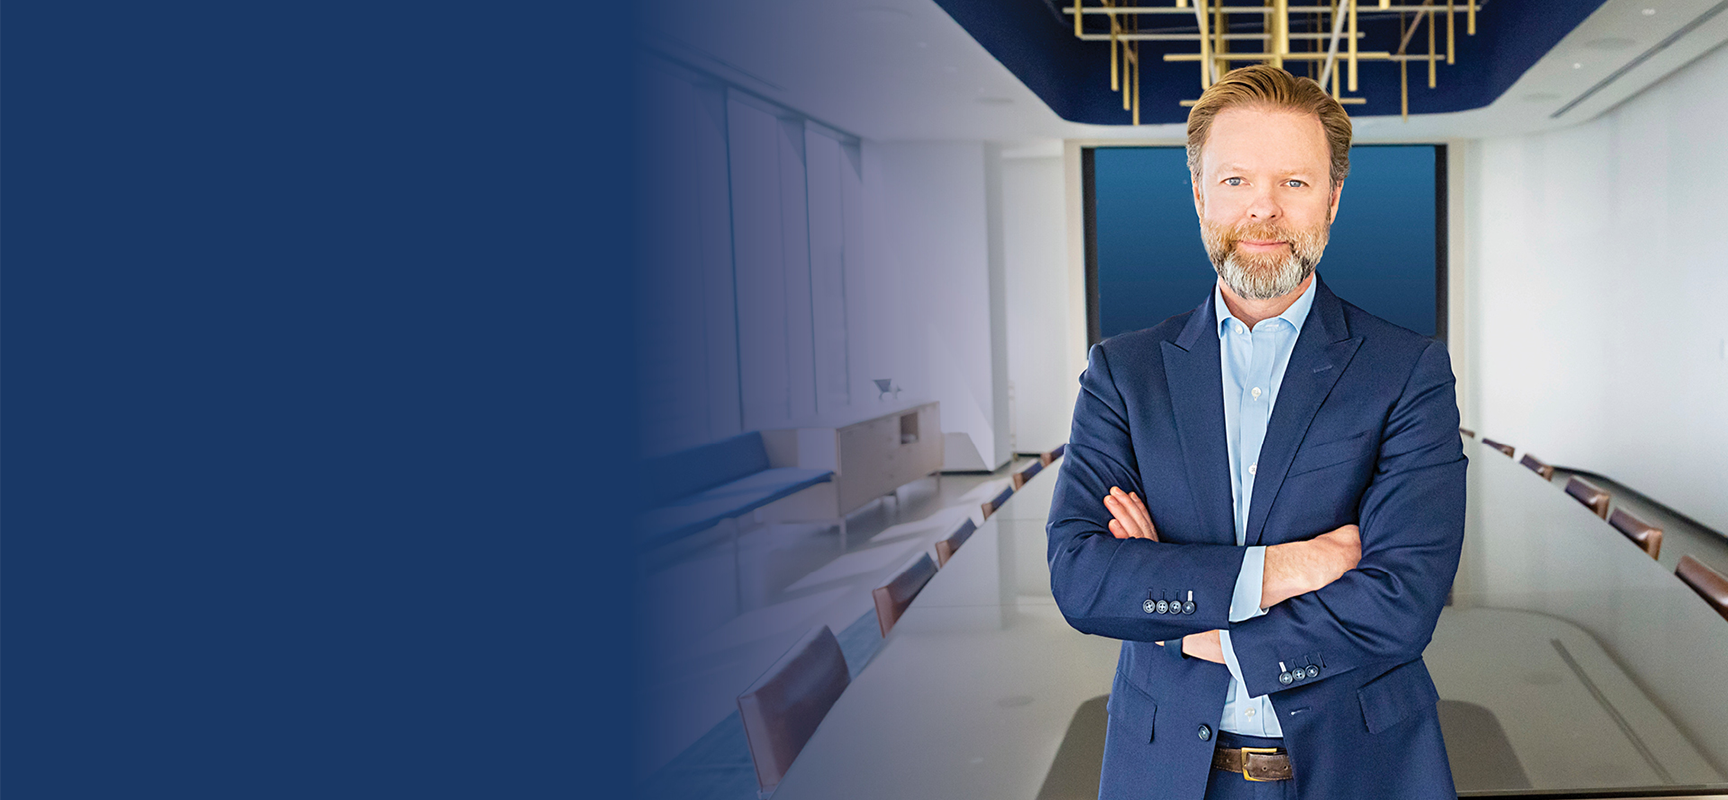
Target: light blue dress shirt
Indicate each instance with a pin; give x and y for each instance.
(1252, 362)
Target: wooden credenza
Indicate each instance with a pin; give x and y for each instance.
(870, 457)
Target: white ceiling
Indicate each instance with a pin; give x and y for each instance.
(903, 69)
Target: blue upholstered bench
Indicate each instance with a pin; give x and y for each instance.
(693, 490)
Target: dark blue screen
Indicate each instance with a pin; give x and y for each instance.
(1151, 264)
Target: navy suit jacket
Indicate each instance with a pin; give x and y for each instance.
(1365, 431)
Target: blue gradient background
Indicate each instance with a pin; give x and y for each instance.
(1151, 264)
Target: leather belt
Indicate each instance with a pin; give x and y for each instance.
(1254, 763)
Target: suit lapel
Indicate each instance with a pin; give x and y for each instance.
(1323, 349)
(1191, 370)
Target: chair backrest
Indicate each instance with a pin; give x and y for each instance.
(1021, 477)
(893, 597)
(782, 709)
(997, 501)
(687, 472)
(1051, 456)
(1467, 432)
(1536, 466)
(1501, 446)
(1708, 583)
(946, 548)
(1640, 532)
(1589, 494)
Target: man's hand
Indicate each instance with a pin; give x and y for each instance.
(1132, 521)
(1300, 567)
(1204, 645)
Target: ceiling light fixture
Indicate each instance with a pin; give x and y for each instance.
(1274, 20)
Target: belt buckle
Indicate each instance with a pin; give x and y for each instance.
(1262, 750)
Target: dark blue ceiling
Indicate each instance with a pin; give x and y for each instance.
(1036, 43)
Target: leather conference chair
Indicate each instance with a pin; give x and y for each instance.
(1589, 494)
(893, 597)
(1504, 448)
(1640, 532)
(1048, 458)
(946, 548)
(1708, 583)
(1535, 465)
(1021, 477)
(997, 501)
(1467, 432)
(783, 707)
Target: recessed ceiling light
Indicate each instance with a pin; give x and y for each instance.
(1649, 12)
(880, 14)
(1576, 65)
(1610, 43)
(996, 101)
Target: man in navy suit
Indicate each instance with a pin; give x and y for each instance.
(1264, 497)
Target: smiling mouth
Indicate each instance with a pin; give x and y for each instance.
(1261, 244)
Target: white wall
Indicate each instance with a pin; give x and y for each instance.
(1598, 270)
(935, 320)
(1035, 239)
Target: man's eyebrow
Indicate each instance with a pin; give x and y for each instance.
(1222, 168)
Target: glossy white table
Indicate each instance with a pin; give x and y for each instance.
(1569, 661)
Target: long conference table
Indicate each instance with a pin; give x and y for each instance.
(1569, 664)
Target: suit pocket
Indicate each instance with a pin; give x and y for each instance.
(1401, 692)
(1326, 454)
(1133, 714)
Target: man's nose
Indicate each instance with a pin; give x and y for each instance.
(1263, 208)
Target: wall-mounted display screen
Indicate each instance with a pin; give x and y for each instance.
(1145, 262)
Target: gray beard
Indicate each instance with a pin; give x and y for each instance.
(1263, 284)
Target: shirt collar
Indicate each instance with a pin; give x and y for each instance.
(1296, 314)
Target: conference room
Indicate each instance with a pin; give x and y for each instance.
(910, 268)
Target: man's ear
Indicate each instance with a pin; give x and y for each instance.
(1337, 193)
(1199, 200)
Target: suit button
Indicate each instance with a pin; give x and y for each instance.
(1188, 607)
(1149, 606)
(1163, 607)
(1285, 678)
(1313, 671)
(1205, 733)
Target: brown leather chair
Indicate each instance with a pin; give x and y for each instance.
(1640, 532)
(1048, 458)
(893, 597)
(783, 707)
(1502, 447)
(997, 501)
(1467, 432)
(1536, 466)
(1708, 583)
(1021, 477)
(1589, 494)
(946, 548)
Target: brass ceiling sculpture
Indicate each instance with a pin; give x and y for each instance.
(1273, 20)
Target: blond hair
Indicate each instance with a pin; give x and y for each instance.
(1268, 87)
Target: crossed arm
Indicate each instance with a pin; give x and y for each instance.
(1292, 569)
(1349, 597)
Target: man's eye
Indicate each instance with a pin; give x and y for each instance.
(1295, 183)
(1232, 181)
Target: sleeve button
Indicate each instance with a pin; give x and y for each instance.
(1285, 678)
(1163, 607)
(1188, 607)
(1149, 606)
(1313, 671)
